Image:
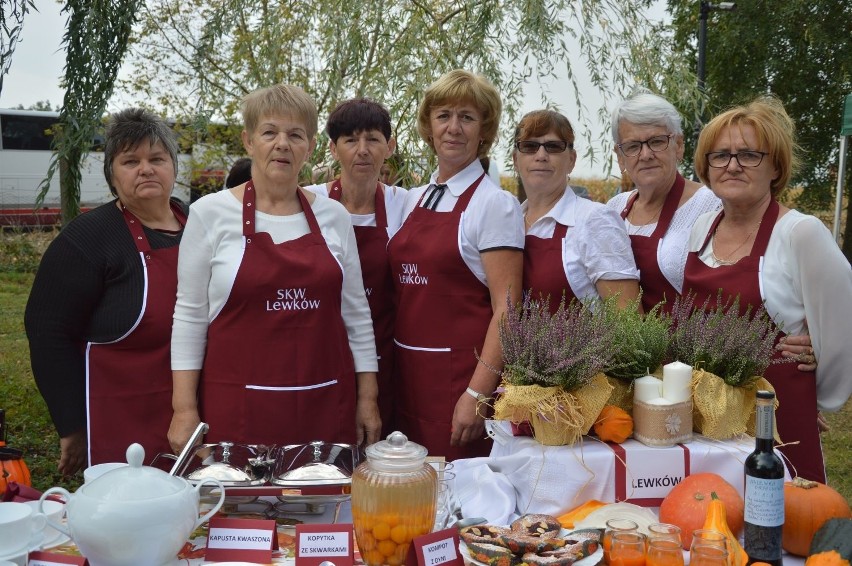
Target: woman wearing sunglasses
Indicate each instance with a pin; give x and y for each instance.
(662, 208)
(765, 253)
(575, 248)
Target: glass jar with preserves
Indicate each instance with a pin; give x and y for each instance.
(393, 499)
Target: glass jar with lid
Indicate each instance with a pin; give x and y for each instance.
(393, 499)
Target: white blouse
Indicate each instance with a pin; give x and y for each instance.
(596, 245)
(806, 283)
(493, 218)
(210, 255)
(394, 203)
(671, 254)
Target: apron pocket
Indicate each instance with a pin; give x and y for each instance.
(299, 414)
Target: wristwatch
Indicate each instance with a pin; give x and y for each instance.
(481, 397)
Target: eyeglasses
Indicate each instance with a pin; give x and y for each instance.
(655, 144)
(721, 159)
(549, 146)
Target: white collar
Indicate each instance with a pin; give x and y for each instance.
(564, 211)
(458, 183)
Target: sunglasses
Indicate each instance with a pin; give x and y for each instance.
(549, 146)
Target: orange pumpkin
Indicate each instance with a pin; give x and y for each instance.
(807, 505)
(12, 468)
(687, 503)
(614, 425)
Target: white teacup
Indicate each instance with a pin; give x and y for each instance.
(94, 472)
(18, 525)
(53, 510)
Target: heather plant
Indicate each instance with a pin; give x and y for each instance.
(565, 349)
(736, 347)
(641, 342)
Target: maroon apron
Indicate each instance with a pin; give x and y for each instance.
(442, 318)
(278, 367)
(544, 269)
(796, 416)
(378, 285)
(655, 287)
(129, 380)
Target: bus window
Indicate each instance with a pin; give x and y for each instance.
(27, 132)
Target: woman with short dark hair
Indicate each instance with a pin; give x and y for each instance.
(360, 140)
(99, 314)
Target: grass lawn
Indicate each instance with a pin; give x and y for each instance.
(30, 428)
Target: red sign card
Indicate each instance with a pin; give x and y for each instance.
(247, 540)
(41, 558)
(435, 549)
(330, 545)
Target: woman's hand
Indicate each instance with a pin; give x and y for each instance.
(185, 406)
(72, 457)
(798, 347)
(822, 424)
(368, 423)
(467, 424)
(181, 428)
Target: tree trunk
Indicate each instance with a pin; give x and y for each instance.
(69, 203)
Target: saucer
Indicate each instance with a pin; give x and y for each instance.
(34, 544)
(58, 539)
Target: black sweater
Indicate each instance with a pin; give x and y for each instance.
(88, 287)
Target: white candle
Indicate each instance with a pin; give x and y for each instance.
(660, 401)
(677, 382)
(647, 388)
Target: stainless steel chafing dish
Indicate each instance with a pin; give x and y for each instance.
(314, 474)
(235, 465)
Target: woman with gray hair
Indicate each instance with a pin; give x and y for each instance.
(99, 314)
(271, 313)
(661, 210)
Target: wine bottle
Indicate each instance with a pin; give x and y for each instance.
(764, 489)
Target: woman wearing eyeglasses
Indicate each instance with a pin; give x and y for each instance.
(661, 210)
(575, 248)
(457, 256)
(766, 253)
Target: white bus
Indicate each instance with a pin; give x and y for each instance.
(25, 152)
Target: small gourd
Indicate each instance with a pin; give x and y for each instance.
(835, 534)
(827, 558)
(577, 514)
(613, 424)
(717, 521)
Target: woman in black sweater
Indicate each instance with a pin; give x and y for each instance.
(100, 311)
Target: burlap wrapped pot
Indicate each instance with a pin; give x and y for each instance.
(557, 417)
(622, 394)
(722, 411)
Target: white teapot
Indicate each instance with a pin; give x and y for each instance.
(134, 515)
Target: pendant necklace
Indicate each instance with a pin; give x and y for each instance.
(728, 261)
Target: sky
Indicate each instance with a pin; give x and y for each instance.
(38, 62)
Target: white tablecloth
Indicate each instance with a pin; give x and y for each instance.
(522, 476)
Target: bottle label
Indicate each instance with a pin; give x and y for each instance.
(764, 502)
(763, 420)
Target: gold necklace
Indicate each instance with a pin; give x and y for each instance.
(730, 255)
(639, 227)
